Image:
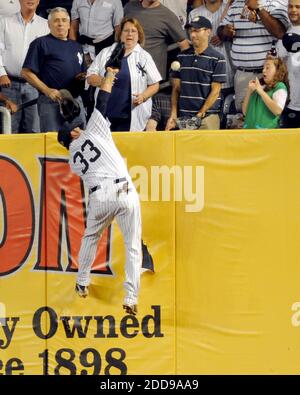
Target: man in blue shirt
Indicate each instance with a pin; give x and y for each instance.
(52, 63)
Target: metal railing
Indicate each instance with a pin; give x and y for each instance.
(5, 120)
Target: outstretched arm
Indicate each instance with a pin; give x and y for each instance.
(105, 90)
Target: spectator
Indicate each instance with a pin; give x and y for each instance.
(291, 114)
(252, 28)
(192, 4)
(215, 11)
(16, 33)
(53, 62)
(161, 28)
(265, 98)
(179, 7)
(130, 103)
(161, 109)
(9, 7)
(197, 84)
(97, 22)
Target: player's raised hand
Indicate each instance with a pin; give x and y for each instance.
(108, 81)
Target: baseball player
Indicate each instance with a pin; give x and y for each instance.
(95, 158)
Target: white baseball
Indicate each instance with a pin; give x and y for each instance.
(175, 66)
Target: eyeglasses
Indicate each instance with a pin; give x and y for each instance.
(127, 31)
(197, 30)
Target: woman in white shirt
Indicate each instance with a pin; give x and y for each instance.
(130, 103)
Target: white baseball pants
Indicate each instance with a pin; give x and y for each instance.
(120, 201)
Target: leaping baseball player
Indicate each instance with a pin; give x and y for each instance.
(95, 158)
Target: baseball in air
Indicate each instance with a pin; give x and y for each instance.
(175, 66)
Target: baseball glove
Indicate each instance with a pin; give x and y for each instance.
(68, 106)
(115, 60)
(76, 88)
(188, 123)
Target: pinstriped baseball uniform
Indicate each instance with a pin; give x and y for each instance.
(95, 158)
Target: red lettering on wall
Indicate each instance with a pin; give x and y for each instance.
(62, 217)
(18, 216)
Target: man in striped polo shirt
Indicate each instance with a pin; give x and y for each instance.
(252, 25)
(197, 84)
(215, 11)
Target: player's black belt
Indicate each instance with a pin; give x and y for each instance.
(94, 189)
(255, 71)
(116, 181)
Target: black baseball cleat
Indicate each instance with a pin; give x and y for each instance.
(147, 264)
(130, 309)
(82, 290)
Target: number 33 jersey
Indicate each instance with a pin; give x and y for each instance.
(94, 156)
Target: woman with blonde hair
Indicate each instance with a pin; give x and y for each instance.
(266, 98)
(130, 103)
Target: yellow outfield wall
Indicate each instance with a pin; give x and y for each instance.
(221, 218)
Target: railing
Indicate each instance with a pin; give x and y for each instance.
(6, 120)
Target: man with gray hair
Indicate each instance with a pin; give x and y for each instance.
(54, 62)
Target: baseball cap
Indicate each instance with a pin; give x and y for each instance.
(64, 134)
(199, 22)
(291, 42)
